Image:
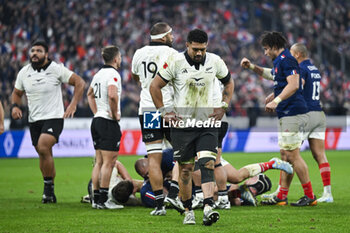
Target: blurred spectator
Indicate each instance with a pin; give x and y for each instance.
(76, 29)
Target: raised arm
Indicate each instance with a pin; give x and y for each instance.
(78, 83)
(262, 71)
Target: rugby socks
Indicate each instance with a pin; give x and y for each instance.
(187, 204)
(48, 186)
(325, 171)
(174, 189)
(103, 195)
(266, 166)
(208, 201)
(222, 193)
(283, 193)
(308, 190)
(159, 198)
(96, 196)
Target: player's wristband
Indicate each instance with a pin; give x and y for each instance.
(277, 100)
(161, 110)
(251, 66)
(224, 105)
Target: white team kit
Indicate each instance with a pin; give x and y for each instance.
(43, 90)
(194, 89)
(146, 63)
(106, 76)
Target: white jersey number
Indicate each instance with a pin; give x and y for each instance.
(151, 68)
(316, 91)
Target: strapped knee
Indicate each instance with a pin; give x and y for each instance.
(154, 148)
(206, 161)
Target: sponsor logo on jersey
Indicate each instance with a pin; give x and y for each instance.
(184, 71)
(283, 56)
(197, 79)
(115, 79)
(165, 65)
(151, 120)
(209, 68)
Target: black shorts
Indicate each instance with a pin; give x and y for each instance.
(187, 142)
(151, 135)
(53, 127)
(222, 132)
(105, 134)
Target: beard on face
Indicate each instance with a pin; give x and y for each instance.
(39, 63)
(198, 58)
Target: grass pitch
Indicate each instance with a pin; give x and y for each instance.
(21, 210)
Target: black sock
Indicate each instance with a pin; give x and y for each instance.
(159, 198)
(96, 196)
(197, 189)
(103, 195)
(208, 201)
(187, 204)
(48, 186)
(222, 192)
(173, 190)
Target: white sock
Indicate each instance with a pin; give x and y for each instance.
(327, 189)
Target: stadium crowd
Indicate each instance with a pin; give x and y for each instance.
(76, 30)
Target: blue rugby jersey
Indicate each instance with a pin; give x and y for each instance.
(311, 90)
(283, 66)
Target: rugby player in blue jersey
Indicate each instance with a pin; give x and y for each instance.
(315, 129)
(291, 110)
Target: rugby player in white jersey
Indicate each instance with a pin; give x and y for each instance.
(40, 81)
(104, 101)
(145, 65)
(192, 75)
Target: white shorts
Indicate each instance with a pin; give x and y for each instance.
(316, 126)
(223, 162)
(291, 131)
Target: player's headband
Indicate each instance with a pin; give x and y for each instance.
(160, 36)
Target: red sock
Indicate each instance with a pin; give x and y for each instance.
(308, 190)
(325, 171)
(266, 166)
(282, 193)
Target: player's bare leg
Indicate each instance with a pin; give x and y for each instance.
(155, 175)
(108, 162)
(301, 169)
(221, 180)
(95, 177)
(318, 152)
(47, 166)
(185, 186)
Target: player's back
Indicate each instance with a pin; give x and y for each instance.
(100, 82)
(146, 63)
(311, 90)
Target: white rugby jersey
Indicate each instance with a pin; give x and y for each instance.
(115, 179)
(218, 88)
(193, 89)
(106, 76)
(43, 90)
(146, 64)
